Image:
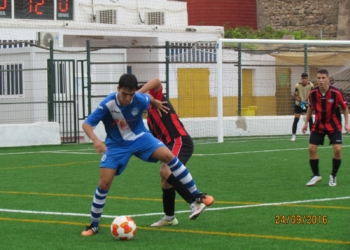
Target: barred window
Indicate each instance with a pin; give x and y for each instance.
(61, 78)
(11, 80)
(12, 44)
(193, 52)
(155, 18)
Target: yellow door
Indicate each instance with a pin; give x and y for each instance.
(193, 92)
(284, 97)
(247, 88)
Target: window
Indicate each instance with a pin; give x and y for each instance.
(61, 78)
(193, 52)
(11, 80)
(155, 18)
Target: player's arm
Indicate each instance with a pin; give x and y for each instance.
(159, 105)
(99, 146)
(154, 84)
(346, 119)
(88, 126)
(296, 94)
(307, 118)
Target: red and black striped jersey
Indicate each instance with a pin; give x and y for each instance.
(326, 107)
(167, 127)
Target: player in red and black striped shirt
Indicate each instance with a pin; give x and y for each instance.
(325, 100)
(168, 128)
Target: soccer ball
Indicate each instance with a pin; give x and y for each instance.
(123, 228)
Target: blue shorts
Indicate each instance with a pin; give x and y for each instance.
(117, 156)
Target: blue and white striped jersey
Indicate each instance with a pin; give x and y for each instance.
(122, 123)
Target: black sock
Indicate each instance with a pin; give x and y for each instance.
(336, 166)
(295, 124)
(180, 188)
(169, 201)
(311, 123)
(314, 167)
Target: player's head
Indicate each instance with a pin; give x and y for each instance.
(322, 78)
(304, 78)
(331, 80)
(127, 87)
(128, 81)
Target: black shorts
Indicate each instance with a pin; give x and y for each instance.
(317, 138)
(182, 148)
(299, 110)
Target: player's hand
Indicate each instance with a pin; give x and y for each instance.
(160, 106)
(304, 128)
(347, 128)
(99, 146)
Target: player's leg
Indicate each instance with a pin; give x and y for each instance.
(181, 173)
(113, 162)
(297, 112)
(99, 200)
(336, 140)
(314, 140)
(168, 198)
(149, 148)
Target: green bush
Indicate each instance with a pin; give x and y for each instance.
(267, 33)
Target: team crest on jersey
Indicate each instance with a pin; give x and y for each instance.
(135, 111)
(331, 100)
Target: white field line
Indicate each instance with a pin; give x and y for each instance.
(178, 212)
(229, 153)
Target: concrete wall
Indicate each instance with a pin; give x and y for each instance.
(233, 126)
(34, 134)
(311, 16)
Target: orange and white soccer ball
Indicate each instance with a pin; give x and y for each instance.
(123, 228)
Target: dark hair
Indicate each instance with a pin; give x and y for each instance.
(128, 81)
(323, 71)
(304, 75)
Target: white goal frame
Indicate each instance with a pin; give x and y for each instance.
(219, 51)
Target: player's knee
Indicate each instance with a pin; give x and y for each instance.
(312, 149)
(337, 152)
(104, 185)
(165, 173)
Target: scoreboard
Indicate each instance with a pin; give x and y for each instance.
(37, 9)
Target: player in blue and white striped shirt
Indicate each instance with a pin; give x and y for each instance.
(121, 114)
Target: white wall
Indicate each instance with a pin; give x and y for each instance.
(34, 134)
(207, 127)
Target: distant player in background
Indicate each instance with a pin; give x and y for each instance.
(301, 95)
(325, 100)
(169, 129)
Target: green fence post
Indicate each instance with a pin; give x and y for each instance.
(51, 85)
(167, 61)
(306, 62)
(88, 71)
(239, 79)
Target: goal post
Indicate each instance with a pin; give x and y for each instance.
(265, 74)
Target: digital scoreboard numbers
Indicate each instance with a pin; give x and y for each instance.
(5, 8)
(64, 10)
(34, 9)
(38, 9)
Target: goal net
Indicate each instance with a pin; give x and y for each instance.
(257, 80)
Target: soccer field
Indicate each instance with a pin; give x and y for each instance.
(261, 200)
